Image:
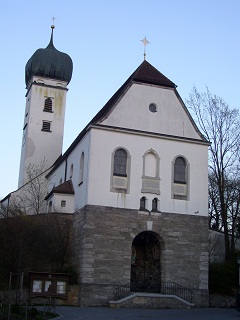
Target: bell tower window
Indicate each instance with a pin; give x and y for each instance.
(48, 104)
(46, 126)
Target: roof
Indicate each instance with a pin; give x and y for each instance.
(146, 73)
(49, 63)
(64, 188)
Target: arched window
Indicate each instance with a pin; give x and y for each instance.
(120, 163)
(180, 170)
(180, 184)
(143, 203)
(150, 175)
(48, 105)
(120, 170)
(71, 171)
(155, 204)
(81, 168)
(50, 207)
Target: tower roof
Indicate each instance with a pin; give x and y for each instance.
(49, 63)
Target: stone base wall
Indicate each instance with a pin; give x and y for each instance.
(103, 239)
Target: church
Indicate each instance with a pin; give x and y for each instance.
(135, 180)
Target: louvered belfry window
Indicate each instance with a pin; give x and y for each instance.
(48, 105)
(46, 126)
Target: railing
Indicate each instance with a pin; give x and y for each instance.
(173, 288)
(168, 287)
(122, 291)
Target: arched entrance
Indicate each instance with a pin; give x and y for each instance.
(146, 262)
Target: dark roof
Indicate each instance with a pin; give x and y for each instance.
(49, 63)
(64, 188)
(146, 73)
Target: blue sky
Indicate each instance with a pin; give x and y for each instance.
(192, 42)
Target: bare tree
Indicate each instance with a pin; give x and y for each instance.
(220, 125)
(30, 199)
(39, 243)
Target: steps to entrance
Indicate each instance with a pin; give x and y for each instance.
(151, 300)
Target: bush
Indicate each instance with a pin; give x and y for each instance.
(33, 312)
(223, 278)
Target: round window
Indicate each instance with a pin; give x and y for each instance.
(153, 107)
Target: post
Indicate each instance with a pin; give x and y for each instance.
(238, 288)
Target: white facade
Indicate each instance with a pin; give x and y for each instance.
(170, 118)
(43, 123)
(165, 134)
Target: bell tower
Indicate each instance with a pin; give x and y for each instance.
(47, 75)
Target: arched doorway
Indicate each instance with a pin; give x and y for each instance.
(146, 262)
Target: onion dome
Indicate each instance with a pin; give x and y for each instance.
(49, 63)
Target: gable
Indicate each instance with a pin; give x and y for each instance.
(132, 112)
(128, 108)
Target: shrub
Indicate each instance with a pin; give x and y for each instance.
(223, 278)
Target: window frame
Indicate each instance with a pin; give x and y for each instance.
(81, 167)
(122, 165)
(46, 126)
(116, 176)
(143, 204)
(48, 105)
(151, 184)
(182, 185)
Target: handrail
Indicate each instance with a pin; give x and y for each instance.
(173, 288)
(122, 291)
(166, 287)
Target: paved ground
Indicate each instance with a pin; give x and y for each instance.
(75, 313)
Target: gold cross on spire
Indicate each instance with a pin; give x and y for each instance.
(145, 43)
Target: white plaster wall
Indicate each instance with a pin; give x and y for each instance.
(132, 111)
(58, 198)
(103, 143)
(55, 178)
(40, 144)
(74, 159)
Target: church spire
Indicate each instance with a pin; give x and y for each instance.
(50, 45)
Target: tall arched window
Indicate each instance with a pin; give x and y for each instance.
(71, 171)
(120, 170)
(143, 203)
(180, 184)
(155, 204)
(50, 207)
(180, 170)
(150, 175)
(81, 168)
(120, 163)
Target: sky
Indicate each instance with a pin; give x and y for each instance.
(192, 42)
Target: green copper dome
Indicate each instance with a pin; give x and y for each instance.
(49, 63)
